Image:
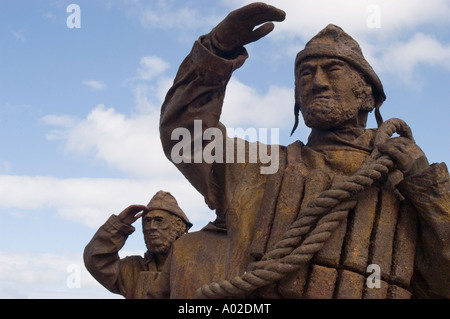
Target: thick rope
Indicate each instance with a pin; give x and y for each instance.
(308, 234)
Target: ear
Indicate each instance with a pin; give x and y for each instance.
(363, 90)
(180, 227)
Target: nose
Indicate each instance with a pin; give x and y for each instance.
(153, 224)
(320, 81)
(150, 225)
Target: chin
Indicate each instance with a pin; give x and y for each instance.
(326, 116)
(160, 250)
(157, 246)
(321, 121)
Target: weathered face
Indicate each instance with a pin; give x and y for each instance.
(160, 231)
(331, 93)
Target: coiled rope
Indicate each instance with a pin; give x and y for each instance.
(308, 234)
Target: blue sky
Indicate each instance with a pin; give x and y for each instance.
(79, 111)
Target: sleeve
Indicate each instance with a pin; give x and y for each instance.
(101, 255)
(197, 95)
(429, 192)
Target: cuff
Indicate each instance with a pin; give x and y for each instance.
(114, 221)
(430, 181)
(204, 57)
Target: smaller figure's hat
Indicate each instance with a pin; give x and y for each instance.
(165, 201)
(333, 42)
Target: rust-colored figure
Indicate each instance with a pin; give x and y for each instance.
(163, 222)
(369, 201)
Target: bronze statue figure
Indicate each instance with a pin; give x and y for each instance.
(163, 222)
(349, 199)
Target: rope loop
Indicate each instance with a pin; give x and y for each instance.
(309, 233)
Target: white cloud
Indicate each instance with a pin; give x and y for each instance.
(306, 18)
(163, 14)
(49, 16)
(150, 84)
(22, 268)
(90, 201)
(420, 49)
(19, 36)
(95, 85)
(399, 20)
(40, 275)
(149, 97)
(396, 47)
(244, 106)
(150, 67)
(130, 144)
(59, 120)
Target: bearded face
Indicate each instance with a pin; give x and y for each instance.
(160, 230)
(331, 93)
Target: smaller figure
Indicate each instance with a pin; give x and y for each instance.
(163, 222)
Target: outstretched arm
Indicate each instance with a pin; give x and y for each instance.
(199, 87)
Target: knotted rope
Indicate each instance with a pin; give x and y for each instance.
(308, 234)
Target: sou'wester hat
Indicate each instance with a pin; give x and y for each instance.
(334, 42)
(165, 201)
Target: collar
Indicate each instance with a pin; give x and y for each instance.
(353, 139)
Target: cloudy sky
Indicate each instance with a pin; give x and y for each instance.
(79, 111)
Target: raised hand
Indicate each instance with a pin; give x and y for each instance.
(132, 213)
(238, 28)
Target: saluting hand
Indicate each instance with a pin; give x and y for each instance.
(132, 213)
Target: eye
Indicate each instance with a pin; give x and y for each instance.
(335, 68)
(305, 73)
